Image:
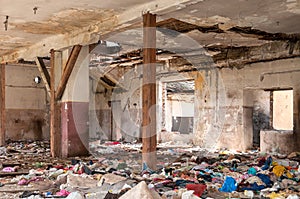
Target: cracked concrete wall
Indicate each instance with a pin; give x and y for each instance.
(128, 116)
(100, 111)
(225, 102)
(256, 114)
(116, 111)
(27, 104)
(220, 120)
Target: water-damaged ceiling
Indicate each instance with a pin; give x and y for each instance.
(223, 28)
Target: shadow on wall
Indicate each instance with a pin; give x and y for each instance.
(37, 129)
(260, 122)
(19, 127)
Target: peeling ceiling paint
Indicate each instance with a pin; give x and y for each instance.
(66, 21)
(60, 24)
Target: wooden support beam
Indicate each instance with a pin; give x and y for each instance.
(44, 73)
(93, 46)
(149, 91)
(2, 105)
(55, 126)
(67, 71)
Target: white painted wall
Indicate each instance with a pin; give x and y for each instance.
(283, 110)
(21, 91)
(182, 105)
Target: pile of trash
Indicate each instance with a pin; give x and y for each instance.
(28, 171)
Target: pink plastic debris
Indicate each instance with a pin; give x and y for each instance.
(63, 193)
(23, 182)
(8, 169)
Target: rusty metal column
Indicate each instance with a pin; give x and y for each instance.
(149, 91)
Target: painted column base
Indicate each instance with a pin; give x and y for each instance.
(75, 130)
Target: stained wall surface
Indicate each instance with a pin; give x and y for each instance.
(222, 121)
(231, 106)
(27, 104)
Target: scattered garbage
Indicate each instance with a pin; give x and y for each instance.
(117, 171)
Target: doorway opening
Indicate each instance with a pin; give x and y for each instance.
(180, 106)
(269, 109)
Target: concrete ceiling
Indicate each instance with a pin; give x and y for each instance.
(35, 27)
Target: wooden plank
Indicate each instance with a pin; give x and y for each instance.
(55, 134)
(2, 105)
(44, 73)
(67, 71)
(21, 172)
(149, 92)
(13, 188)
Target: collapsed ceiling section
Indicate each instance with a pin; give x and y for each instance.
(234, 33)
(199, 46)
(186, 87)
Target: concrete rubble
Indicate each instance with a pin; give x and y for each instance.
(184, 172)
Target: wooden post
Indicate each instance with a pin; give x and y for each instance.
(44, 73)
(2, 104)
(67, 71)
(149, 91)
(58, 81)
(55, 132)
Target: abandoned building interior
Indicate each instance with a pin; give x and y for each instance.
(213, 74)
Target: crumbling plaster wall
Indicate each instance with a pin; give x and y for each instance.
(100, 112)
(219, 120)
(126, 116)
(27, 104)
(256, 114)
(129, 115)
(223, 104)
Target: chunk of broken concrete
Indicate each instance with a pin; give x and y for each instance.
(110, 179)
(141, 191)
(81, 181)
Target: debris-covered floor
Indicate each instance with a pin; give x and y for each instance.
(114, 170)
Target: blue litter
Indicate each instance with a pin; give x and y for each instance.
(229, 185)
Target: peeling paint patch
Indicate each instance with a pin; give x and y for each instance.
(9, 44)
(67, 21)
(258, 19)
(293, 6)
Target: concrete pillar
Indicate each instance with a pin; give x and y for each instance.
(208, 118)
(247, 119)
(199, 125)
(75, 108)
(116, 119)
